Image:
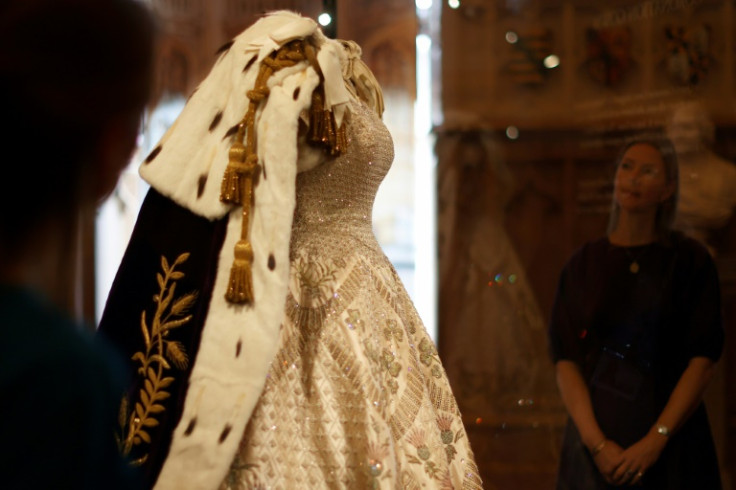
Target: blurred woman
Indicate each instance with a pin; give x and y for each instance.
(635, 333)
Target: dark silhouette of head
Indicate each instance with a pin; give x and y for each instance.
(75, 76)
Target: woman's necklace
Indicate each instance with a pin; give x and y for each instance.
(634, 265)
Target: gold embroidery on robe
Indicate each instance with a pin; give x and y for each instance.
(158, 356)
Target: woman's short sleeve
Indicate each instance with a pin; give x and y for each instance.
(564, 333)
(704, 332)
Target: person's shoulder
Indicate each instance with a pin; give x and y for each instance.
(28, 318)
(37, 337)
(691, 254)
(590, 250)
(688, 246)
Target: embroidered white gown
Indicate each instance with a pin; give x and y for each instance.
(356, 396)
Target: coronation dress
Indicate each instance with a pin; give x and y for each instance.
(271, 342)
(356, 396)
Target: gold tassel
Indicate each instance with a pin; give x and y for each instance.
(242, 171)
(316, 117)
(342, 139)
(240, 288)
(323, 129)
(329, 132)
(231, 185)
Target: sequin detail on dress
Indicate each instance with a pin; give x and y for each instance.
(356, 396)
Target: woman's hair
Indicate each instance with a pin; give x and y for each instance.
(666, 210)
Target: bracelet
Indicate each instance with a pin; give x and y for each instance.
(598, 448)
(663, 429)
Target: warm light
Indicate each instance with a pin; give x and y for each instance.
(424, 42)
(512, 132)
(424, 4)
(424, 233)
(511, 37)
(453, 4)
(324, 19)
(552, 61)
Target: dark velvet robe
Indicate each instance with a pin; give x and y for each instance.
(163, 230)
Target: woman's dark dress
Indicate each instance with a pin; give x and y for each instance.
(633, 334)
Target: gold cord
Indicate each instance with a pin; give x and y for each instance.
(243, 170)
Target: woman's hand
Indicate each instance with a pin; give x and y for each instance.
(608, 460)
(638, 458)
(686, 396)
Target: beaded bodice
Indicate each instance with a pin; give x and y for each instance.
(335, 200)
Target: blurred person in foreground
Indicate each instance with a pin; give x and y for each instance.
(635, 333)
(75, 76)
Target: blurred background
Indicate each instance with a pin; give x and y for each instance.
(506, 117)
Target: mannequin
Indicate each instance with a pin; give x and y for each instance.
(273, 342)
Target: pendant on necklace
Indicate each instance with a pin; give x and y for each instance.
(634, 267)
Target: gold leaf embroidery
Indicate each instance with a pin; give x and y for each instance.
(428, 356)
(159, 354)
(392, 329)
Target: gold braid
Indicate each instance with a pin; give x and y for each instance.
(243, 168)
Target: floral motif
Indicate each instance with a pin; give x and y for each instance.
(392, 367)
(428, 356)
(450, 452)
(392, 330)
(417, 439)
(448, 436)
(428, 352)
(390, 364)
(444, 422)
